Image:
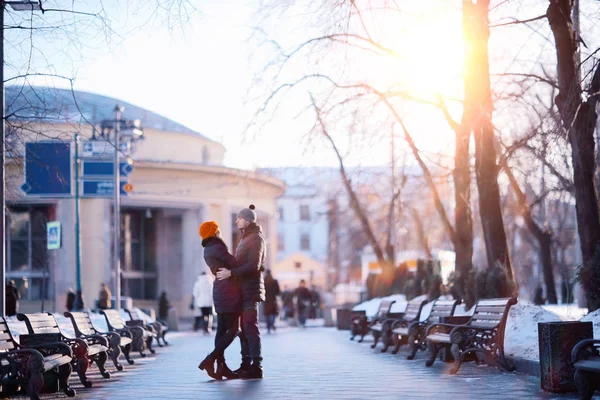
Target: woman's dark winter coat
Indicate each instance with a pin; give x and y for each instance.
(272, 291)
(226, 293)
(250, 255)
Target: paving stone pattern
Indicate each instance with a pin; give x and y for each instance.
(313, 363)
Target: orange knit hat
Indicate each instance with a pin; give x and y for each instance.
(208, 229)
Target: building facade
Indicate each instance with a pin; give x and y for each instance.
(178, 180)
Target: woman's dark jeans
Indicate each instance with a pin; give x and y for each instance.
(228, 325)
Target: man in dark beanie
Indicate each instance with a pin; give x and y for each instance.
(250, 256)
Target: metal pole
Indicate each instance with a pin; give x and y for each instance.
(116, 211)
(3, 171)
(77, 215)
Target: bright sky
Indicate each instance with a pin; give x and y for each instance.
(199, 74)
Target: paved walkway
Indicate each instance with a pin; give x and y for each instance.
(314, 363)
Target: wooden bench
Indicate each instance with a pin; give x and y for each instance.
(483, 335)
(586, 361)
(26, 365)
(362, 325)
(159, 327)
(391, 326)
(414, 332)
(151, 330)
(116, 324)
(41, 324)
(84, 329)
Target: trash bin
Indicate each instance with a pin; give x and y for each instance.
(556, 341)
(343, 318)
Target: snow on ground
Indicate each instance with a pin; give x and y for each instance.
(566, 312)
(521, 334)
(594, 317)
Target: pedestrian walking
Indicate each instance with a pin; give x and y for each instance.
(70, 300)
(315, 303)
(303, 302)
(250, 257)
(202, 302)
(11, 298)
(79, 304)
(287, 298)
(227, 301)
(271, 307)
(163, 307)
(104, 298)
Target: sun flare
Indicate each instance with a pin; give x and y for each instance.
(427, 57)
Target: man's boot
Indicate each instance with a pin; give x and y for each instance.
(246, 364)
(254, 372)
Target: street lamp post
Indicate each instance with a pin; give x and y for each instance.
(117, 209)
(16, 6)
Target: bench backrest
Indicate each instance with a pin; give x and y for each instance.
(413, 310)
(39, 323)
(491, 313)
(113, 319)
(133, 314)
(6, 340)
(441, 308)
(82, 324)
(384, 308)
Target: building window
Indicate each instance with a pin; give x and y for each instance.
(304, 213)
(280, 242)
(304, 242)
(298, 265)
(26, 253)
(138, 254)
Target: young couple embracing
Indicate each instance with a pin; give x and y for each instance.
(237, 292)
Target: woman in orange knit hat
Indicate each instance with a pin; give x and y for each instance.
(226, 298)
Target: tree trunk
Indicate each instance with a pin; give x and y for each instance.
(478, 101)
(543, 237)
(579, 120)
(463, 222)
(545, 241)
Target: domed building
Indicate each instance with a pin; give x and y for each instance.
(178, 181)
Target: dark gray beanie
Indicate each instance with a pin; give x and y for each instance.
(248, 214)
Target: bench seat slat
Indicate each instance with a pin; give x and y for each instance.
(96, 348)
(401, 331)
(494, 302)
(484, 325)
(495, 310)
(50, 363)
(125, 341)
(439, 337)
(487, 317)
(592, 364)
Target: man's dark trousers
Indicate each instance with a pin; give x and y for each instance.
(250, 335)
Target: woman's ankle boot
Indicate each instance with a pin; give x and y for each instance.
(208, 364)
(224, 371)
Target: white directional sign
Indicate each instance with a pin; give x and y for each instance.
(99, 148)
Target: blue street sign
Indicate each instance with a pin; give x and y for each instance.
(104, 168)
(47, 169)
(101, 188)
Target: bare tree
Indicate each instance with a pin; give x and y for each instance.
(579, 118)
